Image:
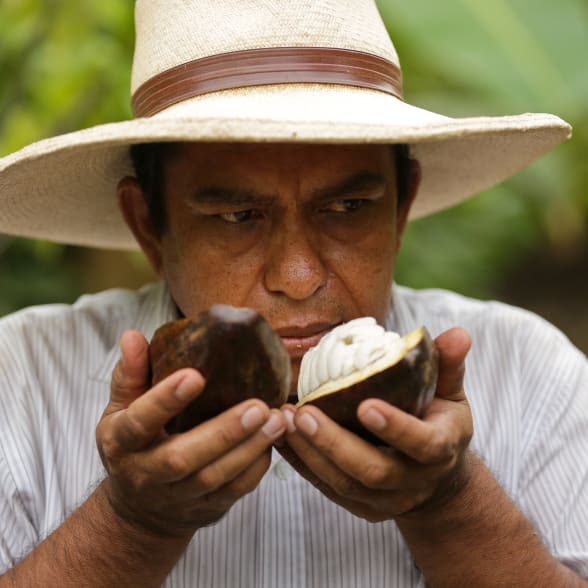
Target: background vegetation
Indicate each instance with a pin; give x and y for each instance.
(66, 65)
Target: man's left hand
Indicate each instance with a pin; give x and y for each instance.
(423, 461)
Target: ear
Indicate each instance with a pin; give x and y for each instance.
(133, 205)
(403, 212)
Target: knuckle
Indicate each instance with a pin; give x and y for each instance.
(175, 465)
(400, 431)
(344, 486)
(375, 475)
(119, 469)
(437, 449)
(136, 427)
(209, 479)
(139, 482)
(109, 449)
(245, 485)
(226, 436)
(449, 465)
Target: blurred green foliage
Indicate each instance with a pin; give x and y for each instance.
(66, 66)
(63, 66)
(474, 57)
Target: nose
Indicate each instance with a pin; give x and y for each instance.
(294, 266)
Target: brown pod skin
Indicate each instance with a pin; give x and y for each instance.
(408, 384)
(236, 351)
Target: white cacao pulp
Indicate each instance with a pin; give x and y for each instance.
(349, 352)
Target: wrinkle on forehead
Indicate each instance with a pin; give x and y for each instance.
(248, 172)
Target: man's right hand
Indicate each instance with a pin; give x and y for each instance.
(177, 484)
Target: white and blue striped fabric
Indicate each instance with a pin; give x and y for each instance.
(528, 388)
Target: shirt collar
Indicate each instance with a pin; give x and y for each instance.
(401, 317)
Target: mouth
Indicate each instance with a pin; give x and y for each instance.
(299, 339)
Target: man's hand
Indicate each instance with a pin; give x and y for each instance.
(177, 484)
(424, 461)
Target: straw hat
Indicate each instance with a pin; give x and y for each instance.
(321, 71)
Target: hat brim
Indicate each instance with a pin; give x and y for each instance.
(63, 189)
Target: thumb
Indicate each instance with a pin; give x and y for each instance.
(130, 377)
(453, 346)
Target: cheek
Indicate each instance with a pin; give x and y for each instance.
(369, 253)
(366, 269)
(199, 275)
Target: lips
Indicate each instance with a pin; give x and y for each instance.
(299, 339)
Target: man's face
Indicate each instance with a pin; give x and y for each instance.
(306, 235)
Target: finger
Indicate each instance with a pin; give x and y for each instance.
(316, 467)
(335, 456)
(453, 346)
(372, 504)
(135, 427)
(240, 485)
(200, 511)
(130, 377)
(371, 467)
(302, 449)
(436, 439)
(213, 463)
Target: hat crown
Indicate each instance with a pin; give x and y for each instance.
(173, 32)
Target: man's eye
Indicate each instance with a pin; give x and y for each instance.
(240, 216)
(347, 205)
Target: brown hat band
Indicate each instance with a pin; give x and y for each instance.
(255, 67)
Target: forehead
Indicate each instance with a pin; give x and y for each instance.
(226, 162)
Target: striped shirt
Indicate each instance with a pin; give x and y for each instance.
(528, 388)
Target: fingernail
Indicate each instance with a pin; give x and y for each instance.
(252, 418)
(290, 421)
(186, 390)
(273, 426)
(373, 419)
(307, 424)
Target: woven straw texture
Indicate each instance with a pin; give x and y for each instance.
(64, 188)
(185, 31)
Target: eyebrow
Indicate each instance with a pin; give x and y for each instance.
(352, 185)
(235, 196)
(218, 195)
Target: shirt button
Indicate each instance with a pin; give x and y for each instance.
(282, 469)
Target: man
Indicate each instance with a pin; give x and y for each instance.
(270, 171)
